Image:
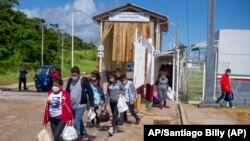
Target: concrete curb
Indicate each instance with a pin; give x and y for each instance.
(184, 120)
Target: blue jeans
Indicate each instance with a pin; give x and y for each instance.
(229, 96)
(78, 122)
(132, 111)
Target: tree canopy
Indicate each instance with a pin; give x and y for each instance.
(21, 37)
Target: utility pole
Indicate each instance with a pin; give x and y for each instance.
(42, 44)
(72, 46)
(210, 57)
(62, 49)
(174, 61)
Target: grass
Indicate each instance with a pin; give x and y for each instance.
(194, 86)
(84, 59)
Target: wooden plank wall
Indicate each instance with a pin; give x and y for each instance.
(118, 46)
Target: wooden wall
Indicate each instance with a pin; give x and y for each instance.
(118, 45)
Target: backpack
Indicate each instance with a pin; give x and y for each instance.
(97, 96)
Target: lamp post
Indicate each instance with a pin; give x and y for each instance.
(72, 30)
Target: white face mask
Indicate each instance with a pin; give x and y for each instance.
(74, 78)
(55, 89)
(93, 78)
(112, 80)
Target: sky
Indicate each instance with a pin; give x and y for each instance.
(190, 14)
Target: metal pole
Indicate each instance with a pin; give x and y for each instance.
(42, 45)
(72, 45)
(210, 57)
(177, 76)
(174, 62)
(62, 50)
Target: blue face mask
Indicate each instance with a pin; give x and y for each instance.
(74, 78)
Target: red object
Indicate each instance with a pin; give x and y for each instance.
(225, 83)
(67, 115)
(54, 74)
(149, 91)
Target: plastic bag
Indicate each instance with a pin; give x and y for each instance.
(104, 116)
(44, 135)
(69, 133)
(170, 94)
(91, 115)
(122, 105)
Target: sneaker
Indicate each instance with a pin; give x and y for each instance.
(138, 121)
(85, 138)
(111, 131)
(233, 107)
(120, 123)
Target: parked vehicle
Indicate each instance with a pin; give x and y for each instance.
(43, 77)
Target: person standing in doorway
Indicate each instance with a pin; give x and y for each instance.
(81, 93)
(226, 89)
(22, 77)
(163, 88)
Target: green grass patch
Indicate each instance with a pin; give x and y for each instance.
(84, 59)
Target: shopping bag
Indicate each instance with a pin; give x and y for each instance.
(170, 94)
(69, 133)
(91, 115)
(44, 135)
(122, 105)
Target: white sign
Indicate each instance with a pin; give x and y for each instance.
(129, 16)
(100, 47)
(100, 53)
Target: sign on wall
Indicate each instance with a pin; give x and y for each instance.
(129, 16)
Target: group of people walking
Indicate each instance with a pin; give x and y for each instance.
(67, 107)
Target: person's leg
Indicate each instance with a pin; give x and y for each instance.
(20, 84)
(161, 97)
(78, 122)
(24, 84)
(133, 113)
(221, 97)
(57, 127)
(165, 97)
(121, 120)
(97, 117)
(230, 99)
(112, 107)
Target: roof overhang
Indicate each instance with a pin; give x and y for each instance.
(163, 20)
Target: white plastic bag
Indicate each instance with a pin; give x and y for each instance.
(44, 135)
(170, 94)
(122, 105)
(69, 133)
(91, 115)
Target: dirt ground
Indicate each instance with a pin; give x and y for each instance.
(21, 115)
(242, 115)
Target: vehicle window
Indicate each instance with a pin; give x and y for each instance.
(42, 71)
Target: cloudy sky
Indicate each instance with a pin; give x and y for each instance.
(191, 15)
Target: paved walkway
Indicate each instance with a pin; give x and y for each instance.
(194, 115)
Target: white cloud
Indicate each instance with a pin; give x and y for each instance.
(83, 24)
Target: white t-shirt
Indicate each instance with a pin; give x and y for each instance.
(56, 108)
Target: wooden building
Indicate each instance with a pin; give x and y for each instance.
(117, 32)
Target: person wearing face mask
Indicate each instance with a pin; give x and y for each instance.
(118, 73)
(130, 97)
(57, 109)
(94, 80)
(115, 89)
(163, 88)
(81, 93)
